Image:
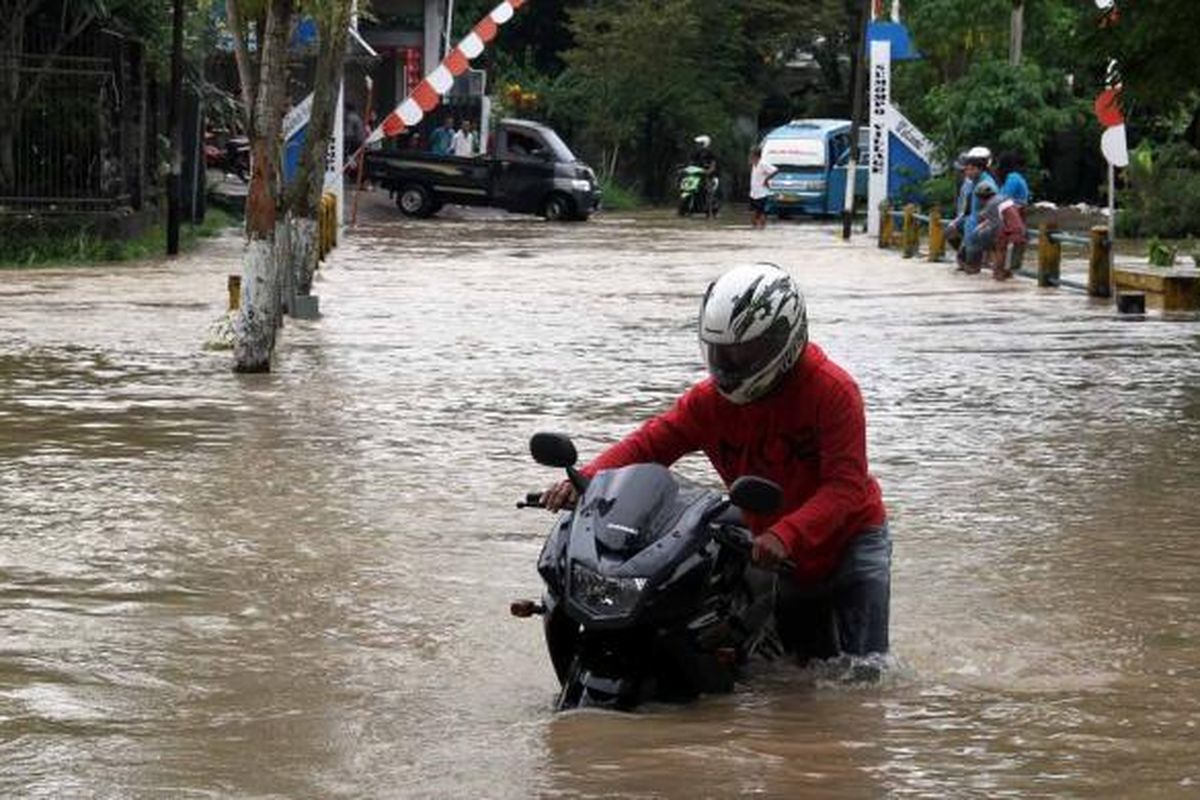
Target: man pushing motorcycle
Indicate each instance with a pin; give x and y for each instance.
(774, 405)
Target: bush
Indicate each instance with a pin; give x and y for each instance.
(1162, 197)
(38, 240)
(1003, 107)
(615, 197)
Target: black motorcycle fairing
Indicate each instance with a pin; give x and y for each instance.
(635, 524)
(628, 509)
(551, 561)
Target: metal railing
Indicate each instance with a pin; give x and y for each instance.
(903, 227)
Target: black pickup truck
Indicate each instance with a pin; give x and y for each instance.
(532, 171)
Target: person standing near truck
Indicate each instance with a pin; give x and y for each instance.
(441, 140)
(466, 141)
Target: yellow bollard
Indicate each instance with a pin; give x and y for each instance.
(1049, 256)
(937, 235)
(885, 225)
(1100, 263)
(911, 237)
(323, 228)
(333, 221)
(234, 286)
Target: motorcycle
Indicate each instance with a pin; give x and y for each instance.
(650, 594)
(231, 157)
(698, 192)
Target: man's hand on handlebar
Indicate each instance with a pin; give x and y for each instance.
(559, 496)
(769, 551)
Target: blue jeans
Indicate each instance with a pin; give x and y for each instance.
(846, 613)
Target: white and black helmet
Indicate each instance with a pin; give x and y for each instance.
(753, 328)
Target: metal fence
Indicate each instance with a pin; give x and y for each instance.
(73, 137)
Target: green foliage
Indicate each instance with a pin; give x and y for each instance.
(1162, 198)
(941, 190)
(619, 198)
(954, 34)
(1160, 254)
(39, 241)
(1003, 107)
(634, 81)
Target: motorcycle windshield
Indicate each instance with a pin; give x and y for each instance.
(636, 506)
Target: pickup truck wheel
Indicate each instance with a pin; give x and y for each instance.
(414, 200)
(557, 208)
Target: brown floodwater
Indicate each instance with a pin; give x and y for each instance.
(295, 585)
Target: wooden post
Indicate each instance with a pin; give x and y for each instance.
(234, 286)
(937, 235)
(885, 225)
(1049, 256)
(1100, 263)
(911, 239)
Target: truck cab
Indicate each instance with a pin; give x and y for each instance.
(531, 170)
(812, 157)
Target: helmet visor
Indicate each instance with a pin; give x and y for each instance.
(733, 364)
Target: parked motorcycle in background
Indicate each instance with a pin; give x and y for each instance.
(650, 593)
(228, 153)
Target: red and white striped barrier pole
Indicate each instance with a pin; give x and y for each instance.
(429, 92)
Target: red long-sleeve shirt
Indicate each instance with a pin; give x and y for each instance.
(809, 436)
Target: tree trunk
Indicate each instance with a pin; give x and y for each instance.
(304, 195)
(1016, 33)
(259, 316)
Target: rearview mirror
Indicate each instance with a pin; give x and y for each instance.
(553, 450)
(756, 495)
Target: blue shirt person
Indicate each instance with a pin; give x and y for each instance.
(441, 141)
(1015, 187)
(983, 177)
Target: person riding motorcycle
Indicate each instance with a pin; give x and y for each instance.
(774, 405)
(704, 158)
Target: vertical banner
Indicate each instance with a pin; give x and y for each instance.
(880, 97)
(335, 155)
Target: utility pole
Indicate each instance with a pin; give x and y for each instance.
(857, 59)
(175, 127)
(1016, 33)
(446, 42)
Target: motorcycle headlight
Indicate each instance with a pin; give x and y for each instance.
(604, 596)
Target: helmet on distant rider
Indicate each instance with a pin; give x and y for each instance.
(980, 153)
(702, 140)
(753, 328)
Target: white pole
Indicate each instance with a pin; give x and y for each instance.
(1112, 212)
(449, 27)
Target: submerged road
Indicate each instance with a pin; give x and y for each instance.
(295, 585)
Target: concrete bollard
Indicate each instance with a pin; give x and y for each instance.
(911, 237)
(1049, 256)
(1100, 263)
(234, 285)
(885, 225)
(937, 235)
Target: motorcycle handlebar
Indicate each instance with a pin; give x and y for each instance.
(532, 500)
(740, 539)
